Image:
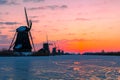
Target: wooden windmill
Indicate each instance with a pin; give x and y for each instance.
(22, 39)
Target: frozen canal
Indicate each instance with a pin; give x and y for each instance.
(71, 67)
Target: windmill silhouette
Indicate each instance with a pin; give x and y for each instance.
(54, 52)
(45, 50)
(22, 39)
(46, 46)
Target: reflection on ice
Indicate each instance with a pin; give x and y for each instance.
(60, 68)
(6, 69)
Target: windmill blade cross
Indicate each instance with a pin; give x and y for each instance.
(30, 24)
(12, 41)
(32, 41)
(26, 17)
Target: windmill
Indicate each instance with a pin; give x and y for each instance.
(60, 51)
(46, 46)
(22, 39)
(54, 52)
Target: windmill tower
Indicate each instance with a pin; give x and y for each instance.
(54, 52)
(46, 46)
(22, 39)
(60, 51)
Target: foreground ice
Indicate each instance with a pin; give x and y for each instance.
(60, 68)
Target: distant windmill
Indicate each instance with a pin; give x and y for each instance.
(54, 52)
(22, 39)
(60, 51)
(46, 45)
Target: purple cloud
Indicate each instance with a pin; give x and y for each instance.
(8, 2)
(9, 23)
(33, 0)
(36, 8)
(3, 2)
(34, 16)
(52, 7)
(3, 36)
(4, 39)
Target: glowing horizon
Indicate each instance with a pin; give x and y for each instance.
(75, 26)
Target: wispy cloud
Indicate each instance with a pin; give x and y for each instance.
(9, 23)
(36, 8)
(35, 21)
(3, 2)
(33, 1)
(34, 16)
(13, 3)
(105, 2)
(3, 36)
(8, 2)
(2, 27)
(52, 7)
(12, 30)
(82, 19)
(4, 39)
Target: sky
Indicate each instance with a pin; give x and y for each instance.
(74, 25)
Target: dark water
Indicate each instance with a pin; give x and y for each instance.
(73, 67)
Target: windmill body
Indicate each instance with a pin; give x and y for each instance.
(46, 47)
(22, 43)
(54, 52)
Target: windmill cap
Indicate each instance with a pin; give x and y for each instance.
(22, 29)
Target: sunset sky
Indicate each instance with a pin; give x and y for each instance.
(74, 25)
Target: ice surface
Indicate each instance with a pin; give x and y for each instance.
(60, 68)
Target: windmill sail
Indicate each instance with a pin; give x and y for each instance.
(32, 41)
(26, 17)
(12, 43)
